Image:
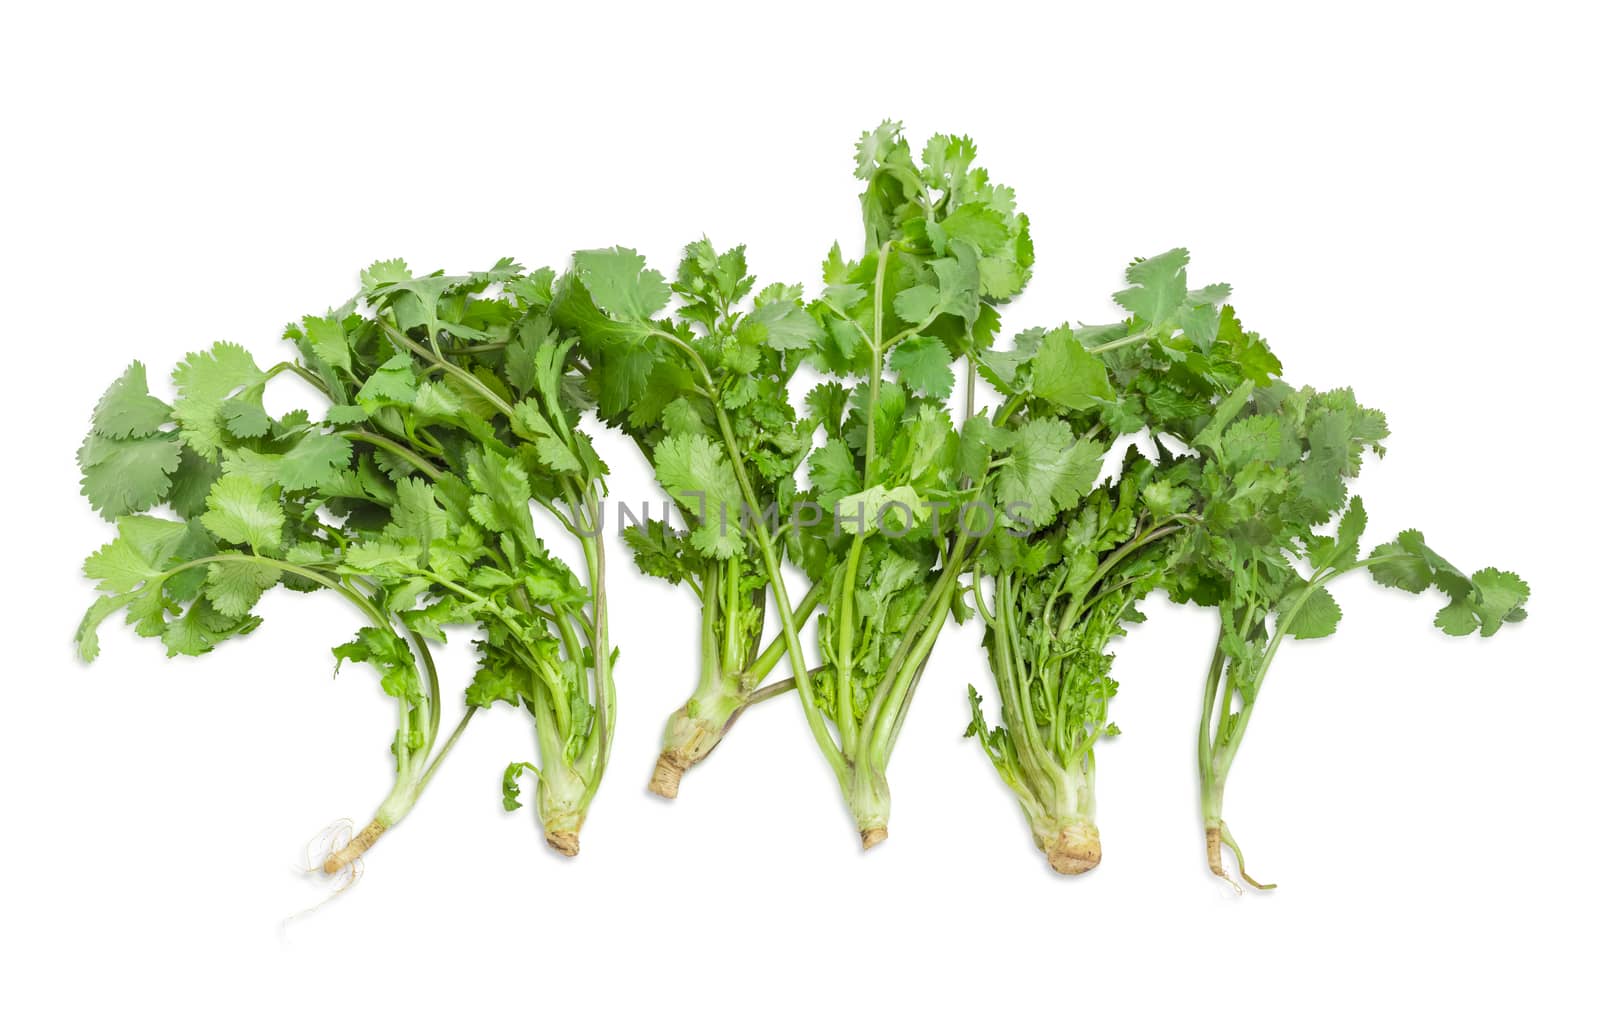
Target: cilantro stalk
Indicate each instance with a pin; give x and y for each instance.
(572, 761)
(260, 501)
(944, 245)
(1276, 469)
(780, 594)
(1047, 638)
(413, 743)
(703, 393)
(470, 370)
(1065, 581)
(731, 674)
(1247, 644)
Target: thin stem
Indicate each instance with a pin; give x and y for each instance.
(865, 338)
(769, 658)
(1285, 621)
(307, 374)
(775, 689)
(765, 693)
(780, 593)
(599, 643)
(366, 605)
(905, 334)
(431, 673)
(1137, 337)
(384, 443)
(437, 361)
(444, 750)
(904, 669)
(1207, 724)
(900, 713)
(877, 364)
(972, 387)
(1150, 536)
(694, 358)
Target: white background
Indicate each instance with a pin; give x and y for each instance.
(1404, 200)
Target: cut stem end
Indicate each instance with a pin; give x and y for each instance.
(1076, 849)
(1214, 852)
(1218, 835)
(872, 837)
(341, 859)
(562, 842)
(670, 767)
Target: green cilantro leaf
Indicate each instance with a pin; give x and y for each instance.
(127, 408)
(126, 476)
(923, 364)
(1318, 615)
(233, 587)
(205, 380)
(620, 284)
(315, 460)
(1048, 469)
(696, 474)
(242, 512)
(1066, 374)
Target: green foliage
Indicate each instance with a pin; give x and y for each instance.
(1237, 525)
(1048, 469)
(448, 441)
(451, 410)
(694, 470)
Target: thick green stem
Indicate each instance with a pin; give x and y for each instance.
(732, 607)
(1065, 829)
(695, 729)
(710, 626)
(596, 752)
(573, 756)
(562, 803)
(562, 798)
(844, 619)
(1210, 784)
(1039, 777)
(866, 787)
(868, 797)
